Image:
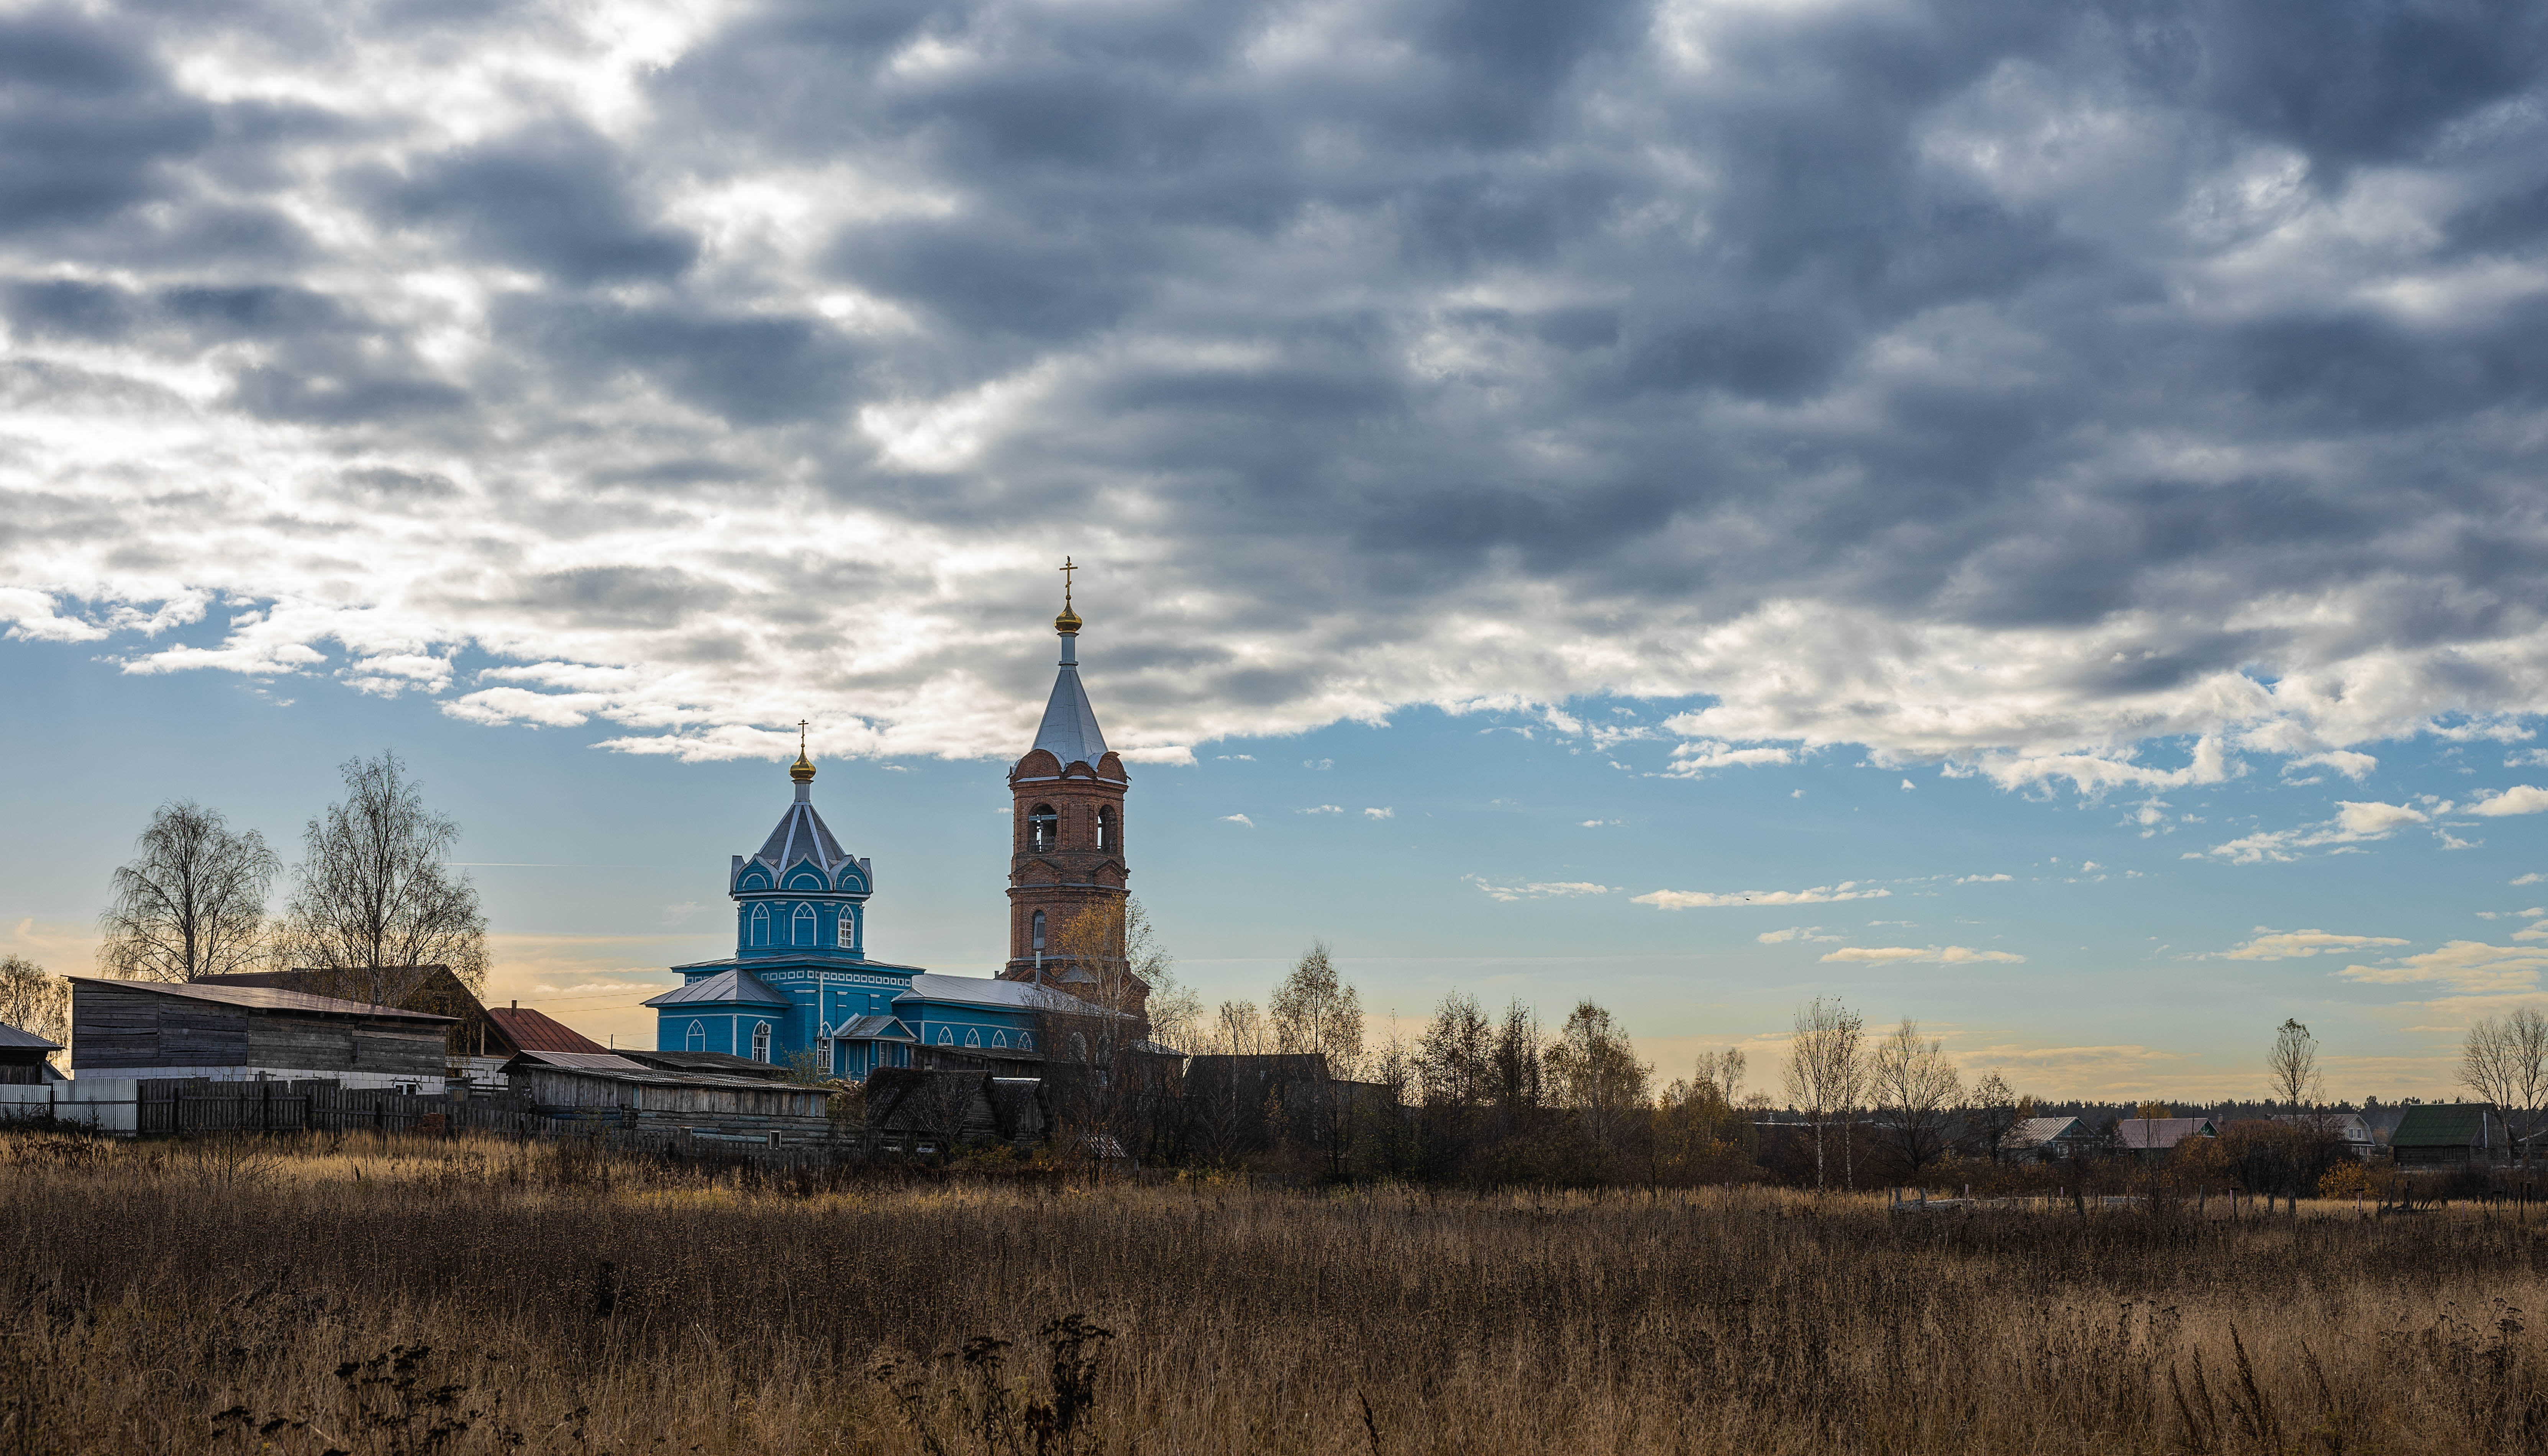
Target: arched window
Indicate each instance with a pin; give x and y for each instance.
(1026, 1041)
(802, 931)
(1078, 1047)
(1043, 827)
(696, 1038)
(973, 1036)
(1106, 827)
(1038, 926)
(1000, 1038)
(761, 925)
(823, 1054)
(760, 1042)
(946, 1037)
(849, 931)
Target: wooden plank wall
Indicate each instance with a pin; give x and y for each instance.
(114, 1028)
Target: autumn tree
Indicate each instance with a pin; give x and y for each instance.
(373, 902)
(1593, 1069)
(1915, 1089)
(1992, 1112)
(191, 903)
(34, 1002)
(1318, 1013)
(1826, 1069)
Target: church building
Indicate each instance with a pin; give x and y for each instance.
(801, 982)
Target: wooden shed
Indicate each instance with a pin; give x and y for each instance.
(609, 1088)
(191, 1029)
(23, 1058)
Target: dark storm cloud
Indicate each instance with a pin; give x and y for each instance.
(2115, 318)
(555, 199)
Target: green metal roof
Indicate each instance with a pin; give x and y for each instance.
(2442, 1125)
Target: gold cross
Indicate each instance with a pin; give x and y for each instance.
(1067, 569)
(800, 738)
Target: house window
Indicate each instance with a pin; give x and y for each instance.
(823, 1054)
(1000, 1040)
(801, 929)
(1038, 924)
(760, 1042)
(973, 1036)
(1106, 827)
(761, 925)
(696, 1038)
(946, 1037)
(849, 935)
(1043, 827)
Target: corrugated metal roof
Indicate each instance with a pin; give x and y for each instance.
(875, 1028)
(533, 1031)
(726, 987)
(2442, 1125)
(969, 990)
(802, 835)
(721, 1063)
(17, 1041)
(629, 1071)
(2157, 1134)
(263, 998)
(579, 1060)
(2036, 1132)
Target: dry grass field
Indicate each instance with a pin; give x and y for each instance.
(386, 1296)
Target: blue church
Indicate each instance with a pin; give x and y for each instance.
(800, 980)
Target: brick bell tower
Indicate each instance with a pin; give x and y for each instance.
(1066, 855)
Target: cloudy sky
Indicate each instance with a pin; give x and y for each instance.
(2045, 501)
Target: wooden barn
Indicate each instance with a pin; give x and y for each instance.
(228, 1032)
(609, 1089)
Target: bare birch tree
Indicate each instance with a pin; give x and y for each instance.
(1915, 1090)
(2504, 1060)
(372, 900)
(191, 904)
(1596, 1074)
(1318, 1013)
(2292, 1066)
(1825, 1067)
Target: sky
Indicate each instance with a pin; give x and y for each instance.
(2023, 518)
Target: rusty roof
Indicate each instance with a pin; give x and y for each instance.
(536, 1031)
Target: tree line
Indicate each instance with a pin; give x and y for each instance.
(372, 902)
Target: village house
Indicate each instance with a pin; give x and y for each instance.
(24, 1058)
(2347, 1126)
(2046, 1140)
(2156, 1137)
(237, 1033)
(2447, 1134)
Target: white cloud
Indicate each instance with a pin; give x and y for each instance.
(2533, 877)
(1241, 820)
(2466, 967)
(1539, 890)
(2521, 798)
(1932, 955)
(1690, 760)
(1387, 813)
(1322, 809)
(2353, 823)
(1908, 786)
(1823, 894)
(1986, 880)
(1174, 756)
(1233, 758)
(2352, 765)
(1795, 933)
(2273, 945)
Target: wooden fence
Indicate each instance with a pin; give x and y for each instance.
(194, 1104)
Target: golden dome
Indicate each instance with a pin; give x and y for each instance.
(1068, 623)
(802, 771)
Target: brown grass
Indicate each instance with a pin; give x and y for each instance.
(380, 1296)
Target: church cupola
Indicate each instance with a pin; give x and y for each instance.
(1066, 862)
(801, 893)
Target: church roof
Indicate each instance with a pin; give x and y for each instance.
(875, 1028)
(1069, 731)
(802, 835)
(967, 990)
(736, 986)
